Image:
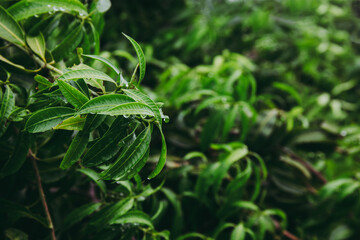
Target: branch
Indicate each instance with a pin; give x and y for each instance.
(42, 194)
(45, 65)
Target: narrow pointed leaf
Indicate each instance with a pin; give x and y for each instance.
(105, 61)
(18, 157)
(162, 159)
(72, 123)
(72, 95)
(140, 55)
(141, 97)
(11, 207)
(81, 85)
(68, 44)
(239, 232)
(7, 106)
(76, 149)
(93, 121)
(45, 119)
(10, 30)
(28, 8)
(134, 217)
(42, 80)
(37, 44)
(85, 73)
(132, 108)
(107, 146)
(95, 177)
(114, 211)
(80, 213)
(104, 103)
(130, 156)
(134, 170)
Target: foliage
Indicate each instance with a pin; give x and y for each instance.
(57, 111)
(263, 140)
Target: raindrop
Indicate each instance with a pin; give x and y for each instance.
(343, 133)
(62, 9)
(126, 116)
(81, 14)
(49, 5)
(36, 15)
(55, 9)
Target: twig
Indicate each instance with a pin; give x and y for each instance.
(42, 194)
(45, 65)
(284, 232)
(306, 164)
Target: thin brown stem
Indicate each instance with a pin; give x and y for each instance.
(42, 194)
(305, 164)
(284, 232)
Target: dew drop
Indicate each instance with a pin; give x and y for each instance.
(55, 9)
(126, 116)
(62, 9)
(49, 5)
(36, 15)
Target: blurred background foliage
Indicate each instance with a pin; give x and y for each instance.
(278, 76)
(264, 135)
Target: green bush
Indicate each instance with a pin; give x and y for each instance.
(263, 140)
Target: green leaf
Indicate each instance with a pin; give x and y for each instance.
(177, 221)
(14, 208)
(72, 95)
(95, 177)
(93, 121)
(141, 97)
(76, 149)
(140, 55)
(45, 119)
(72, 123)
(43, 81)
(134, 170)
(85, 73)
(68, 44)
(78, 214)
(18, 156)
(103, 103)
(37, 45)
(193, 235)
(162, 159)
(107, 146)
(28, 8)
(10, 30)
(112, 212)
(105, 61)
(130, 156)
(132, 108)
(81, 85)
(115, 104)
(134, 217)
(239, 232)
(15, 234)
(7, 106)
